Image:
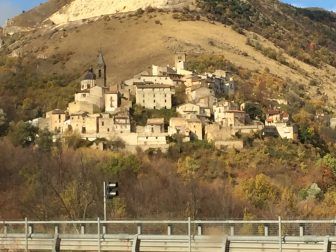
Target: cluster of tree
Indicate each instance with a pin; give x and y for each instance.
(269, 178)
(27, 90)
(308, 35)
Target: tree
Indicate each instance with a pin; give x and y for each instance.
(254, 111)
(44, 140)
(260, 191)
(3, 123)
(329, 161)
(22, 133)
(188, 167)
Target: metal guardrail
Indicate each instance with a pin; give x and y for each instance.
(170, 235)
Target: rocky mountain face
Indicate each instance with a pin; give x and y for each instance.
(83, 9)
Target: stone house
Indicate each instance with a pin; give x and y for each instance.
(276, 116)
(232, 118)
(105, 124)
(155, 125)
(75, 107)
(286, 131)
(221, 107)
(154, 96)
(84, 123)
(193, 109)
(122, 123)
(155, 79)
(202, 96)
(280, 122)
(153, 133)
(153, 140)
(56, 119)
(187, 127)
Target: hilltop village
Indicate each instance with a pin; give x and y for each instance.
(200, 107)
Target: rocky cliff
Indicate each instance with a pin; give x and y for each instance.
(83, 9)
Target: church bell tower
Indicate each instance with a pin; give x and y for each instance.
(101, 70)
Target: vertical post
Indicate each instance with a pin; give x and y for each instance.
(170, 229)
(98, 233)
(104, 185)
(301, 229)
(189, 233)
(104, 229)
(82, 229)
(26, 234)
(5, 229)
(56, 230)
(30, 229)
(266, 230)
(139, 229)
(199, 229)
(232, 230)
(280, 235)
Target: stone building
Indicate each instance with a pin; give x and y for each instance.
(220, 109)
(187, 127)
(55, 120)
(154, 96)
(193, 109)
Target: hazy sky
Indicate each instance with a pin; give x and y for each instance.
(10, 8)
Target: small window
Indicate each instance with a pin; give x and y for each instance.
(102, 123)
(99, 73)
(108, 130)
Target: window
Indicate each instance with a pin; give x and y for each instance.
(108, 130)
(102, 123)
(99, 73)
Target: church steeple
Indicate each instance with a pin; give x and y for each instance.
(101, 70)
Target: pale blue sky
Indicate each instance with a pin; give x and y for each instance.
(10, 8)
